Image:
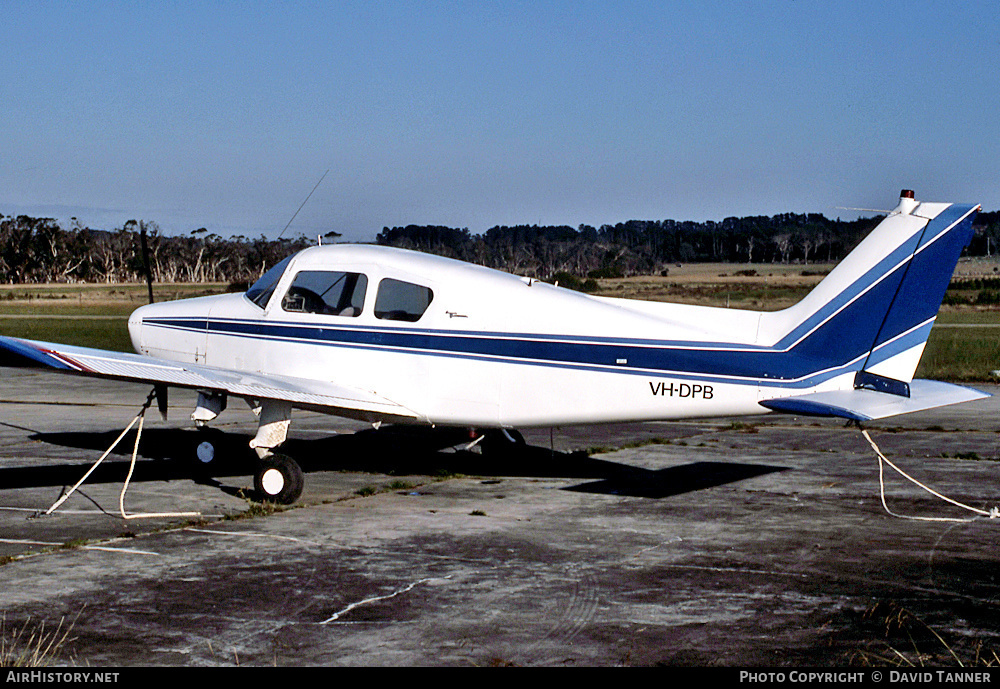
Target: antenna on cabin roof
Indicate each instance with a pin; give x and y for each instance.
(332, 235)
(304, 202)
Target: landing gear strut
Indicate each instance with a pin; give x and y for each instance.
(278, 479)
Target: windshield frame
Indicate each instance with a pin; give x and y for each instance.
(262, 290)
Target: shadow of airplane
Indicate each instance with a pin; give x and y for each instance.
(169, 454)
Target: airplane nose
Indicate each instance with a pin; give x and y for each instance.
(135, 329)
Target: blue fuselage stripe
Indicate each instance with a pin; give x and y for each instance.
(718, 360)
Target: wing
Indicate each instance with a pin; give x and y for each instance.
(868, 405)
(315, 394)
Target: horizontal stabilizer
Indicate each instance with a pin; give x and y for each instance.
(867, 405)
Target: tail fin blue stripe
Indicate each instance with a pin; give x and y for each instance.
(893, 298)
(880, 273)
(929, 273)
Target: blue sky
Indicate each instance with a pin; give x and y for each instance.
(224, 115)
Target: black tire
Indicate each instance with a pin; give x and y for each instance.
(205, 453)
(207, 449)
(501, 443)
(279, 479)
(516, 437)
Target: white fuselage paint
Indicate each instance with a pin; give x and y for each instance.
(466, 380)
(494, 349)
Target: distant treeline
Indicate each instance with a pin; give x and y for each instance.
(34, 250)
(644, 247)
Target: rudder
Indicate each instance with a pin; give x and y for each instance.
(901, 338)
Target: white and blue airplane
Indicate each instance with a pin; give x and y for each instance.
(387, 335)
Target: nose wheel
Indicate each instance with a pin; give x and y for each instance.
(279, 479)
(205, 452)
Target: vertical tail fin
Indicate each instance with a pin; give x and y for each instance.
(871, 316)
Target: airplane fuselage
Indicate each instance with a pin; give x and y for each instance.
(435, 340)
(490, 349)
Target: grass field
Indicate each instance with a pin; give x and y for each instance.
(964, 344)
(84, 315)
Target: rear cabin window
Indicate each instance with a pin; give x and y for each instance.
(327, 292)
(401, 301)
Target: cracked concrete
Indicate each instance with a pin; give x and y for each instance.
(761, 542)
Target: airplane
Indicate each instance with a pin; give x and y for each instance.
(387, 335)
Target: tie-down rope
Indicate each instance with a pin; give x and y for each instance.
(140, 417)
(992, 513)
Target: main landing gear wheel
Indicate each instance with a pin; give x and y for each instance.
(206, 448)
(205, 452)
(279, 479)
(501, 443)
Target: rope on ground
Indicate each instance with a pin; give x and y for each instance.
(992, 513)
(135, 451)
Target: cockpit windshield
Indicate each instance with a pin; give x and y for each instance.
(260, 292)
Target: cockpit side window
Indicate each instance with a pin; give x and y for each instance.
(333, 293)
(401, 301)
(260, 292)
